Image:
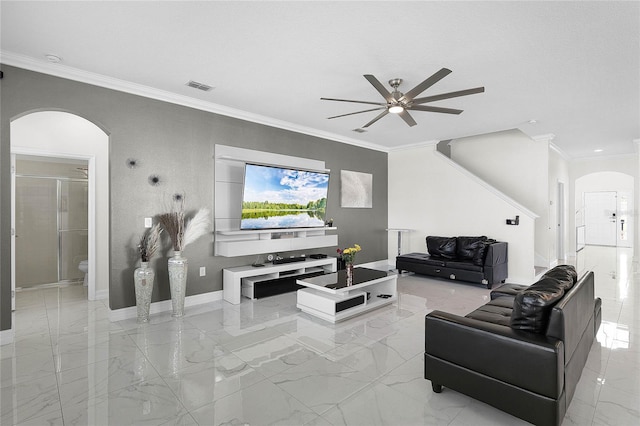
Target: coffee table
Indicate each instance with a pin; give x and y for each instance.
(328, 297)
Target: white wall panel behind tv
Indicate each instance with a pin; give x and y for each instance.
(229, 175)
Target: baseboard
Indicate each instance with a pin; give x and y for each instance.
(382, 265)
(102, 294)
(6, 337)
(165, 306)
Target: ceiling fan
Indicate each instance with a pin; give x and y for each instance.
(400, 103)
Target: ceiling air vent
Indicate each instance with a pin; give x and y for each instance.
(359, 130)
(199, 86)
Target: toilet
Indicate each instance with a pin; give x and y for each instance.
(84, 267)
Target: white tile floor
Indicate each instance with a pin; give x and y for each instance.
(264, 362)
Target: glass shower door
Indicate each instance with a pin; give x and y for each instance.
(72, 228)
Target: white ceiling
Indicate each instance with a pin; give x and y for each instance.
(572, 66)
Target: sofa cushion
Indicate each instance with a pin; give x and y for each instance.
(467, 247)
(532, 306)
(507, 290)
(421, 259)
(565, 274)
(497, 311)
(463, 266)
(442, 247)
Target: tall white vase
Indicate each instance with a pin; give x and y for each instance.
(177, 282)
(143, 279)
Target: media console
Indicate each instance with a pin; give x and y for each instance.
(232, 278)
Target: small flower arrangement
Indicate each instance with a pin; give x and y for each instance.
(348, 255)
(149, 243)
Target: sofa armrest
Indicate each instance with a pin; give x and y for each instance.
(497, 253)
(527, 360)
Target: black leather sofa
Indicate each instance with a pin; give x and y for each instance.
(524, 351)
(472, 259)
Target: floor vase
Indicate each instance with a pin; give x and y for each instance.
(143, 280)
(177, 282)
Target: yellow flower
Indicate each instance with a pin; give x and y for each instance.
(357, 247)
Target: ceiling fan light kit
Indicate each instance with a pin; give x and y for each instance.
(400, 103)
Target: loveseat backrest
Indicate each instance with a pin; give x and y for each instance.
(570, 317)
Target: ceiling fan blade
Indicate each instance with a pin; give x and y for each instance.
(426, 84)
(435, 109)
(379, 87)
(448, 95)
(382, 114)
(358, 112)
(357, 102)
(407, 118)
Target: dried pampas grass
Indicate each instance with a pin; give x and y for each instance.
(197, 227)
(180, 234)
(149, 243)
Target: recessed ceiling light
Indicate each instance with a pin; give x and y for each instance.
(597, 150)
(54, 59)
(359, 130)
(533, 121)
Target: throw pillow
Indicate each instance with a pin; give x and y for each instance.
(466, 247)
(442, 247)
(532, 306)
(565, 274)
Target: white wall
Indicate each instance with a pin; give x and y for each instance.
(517, 165)
(61, 134)
(430, 196)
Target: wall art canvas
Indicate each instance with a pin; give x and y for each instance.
(356, 189)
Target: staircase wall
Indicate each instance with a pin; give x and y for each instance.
(431, 195)
(517, 165)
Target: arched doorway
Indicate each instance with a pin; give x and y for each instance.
(65, 135)
(604, 209)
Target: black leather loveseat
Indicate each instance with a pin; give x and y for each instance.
(473, 259)
(524, 351)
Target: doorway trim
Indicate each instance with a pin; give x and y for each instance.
(65, 134)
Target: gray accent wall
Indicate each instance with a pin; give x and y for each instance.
(176, 143)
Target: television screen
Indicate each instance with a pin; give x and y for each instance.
(279, 197)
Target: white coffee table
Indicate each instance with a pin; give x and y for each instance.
(328, 296)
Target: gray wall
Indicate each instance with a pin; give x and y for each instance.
(177, 144)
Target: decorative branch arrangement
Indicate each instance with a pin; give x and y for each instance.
(180, 234)
(149, 243)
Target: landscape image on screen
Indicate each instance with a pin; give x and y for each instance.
(277, 197)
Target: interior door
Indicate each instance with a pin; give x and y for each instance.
(600, 218)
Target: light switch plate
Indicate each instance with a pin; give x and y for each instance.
(203, 271)
(148, 222)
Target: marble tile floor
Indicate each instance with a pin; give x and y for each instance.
(264, 362)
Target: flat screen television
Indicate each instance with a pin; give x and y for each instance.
(275, 197)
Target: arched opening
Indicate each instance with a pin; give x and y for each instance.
(604, 203)
(63, 135)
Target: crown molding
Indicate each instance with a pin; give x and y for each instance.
(70, 73)
(544, 138)
(557, 149)
(431, 143)
(606, 157)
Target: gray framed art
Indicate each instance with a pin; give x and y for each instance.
(356, 189)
